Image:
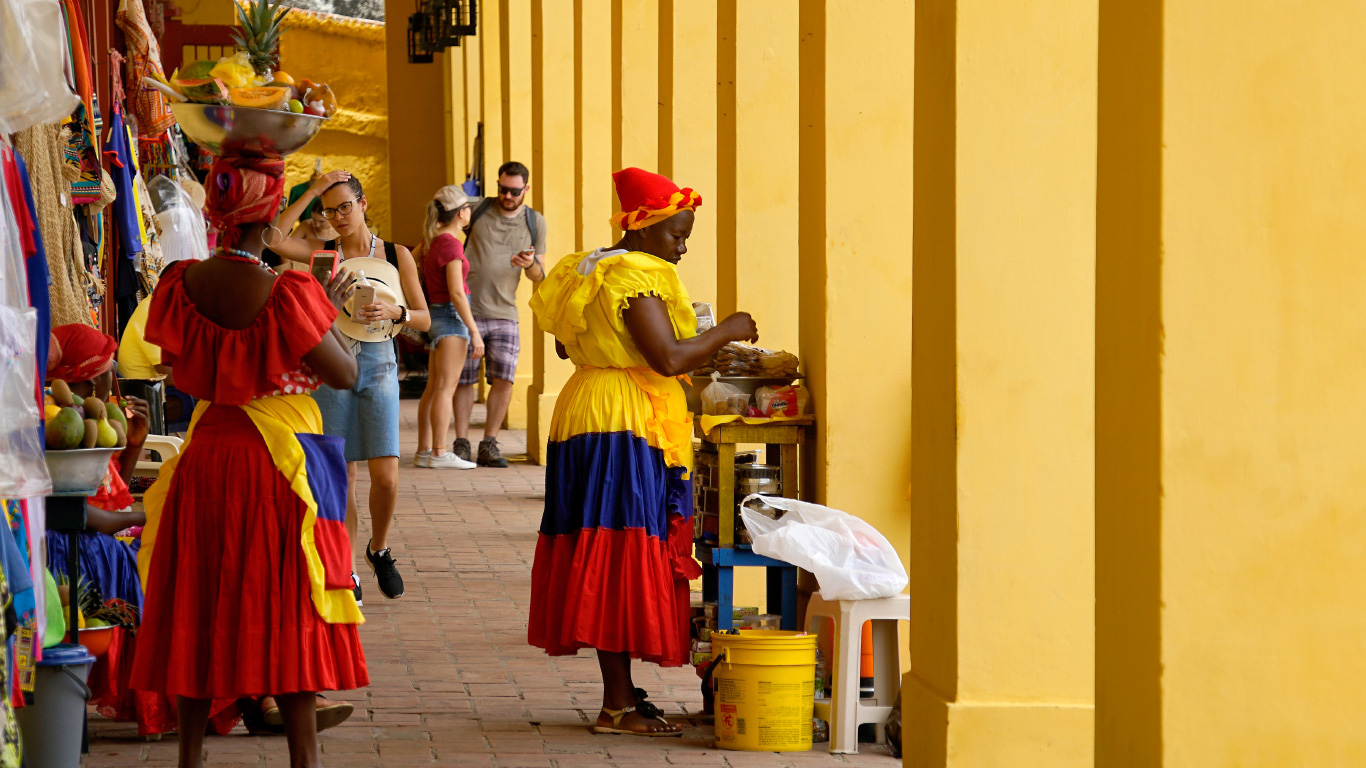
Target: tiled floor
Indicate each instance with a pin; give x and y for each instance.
(453, 681)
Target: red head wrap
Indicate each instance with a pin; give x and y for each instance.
(85, 353)
(243, 190)
(648, 198)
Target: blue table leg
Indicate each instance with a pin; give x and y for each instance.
(789, 622)
(725, 597)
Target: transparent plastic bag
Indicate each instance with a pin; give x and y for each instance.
(183, 234)
(722, 399)
(849, 558)
(782, 401)
(23, 472)
(34, 62)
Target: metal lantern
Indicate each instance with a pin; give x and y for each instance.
(454, 19)
(421, 39)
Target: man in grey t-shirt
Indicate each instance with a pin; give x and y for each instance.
(505, 240)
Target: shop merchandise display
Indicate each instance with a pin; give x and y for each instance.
(740, 359)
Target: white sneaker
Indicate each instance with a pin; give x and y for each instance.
(422, 459)
(449, 461)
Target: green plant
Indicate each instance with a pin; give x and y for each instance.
(262, 23)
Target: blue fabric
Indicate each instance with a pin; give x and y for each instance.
(445, 322)
(121, 171)
(365, 416)
(39, 280)
(326, 467)
(611, 480)
(17, 574)
(107, 562)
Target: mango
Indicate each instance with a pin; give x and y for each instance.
(121, 432)
(50, 410)
(65, 430)
(106, 437)
(116, 415)
(61, 394)
(92, 434)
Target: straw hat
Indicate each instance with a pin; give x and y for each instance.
(384, 277)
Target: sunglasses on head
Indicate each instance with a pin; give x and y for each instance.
(514, 191)
(341, 210)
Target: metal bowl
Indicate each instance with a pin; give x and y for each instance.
(246, 130)
(81, 469)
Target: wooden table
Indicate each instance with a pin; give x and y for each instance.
(783, 439)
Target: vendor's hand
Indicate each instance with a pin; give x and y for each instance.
(380, 310)
(740, 327)
(139, 420)
(326, 181)
(340, 288)
(476, 345)
(523, 259)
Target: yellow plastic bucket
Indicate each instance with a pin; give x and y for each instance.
(764, 682)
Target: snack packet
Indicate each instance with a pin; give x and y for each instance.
(782, 401)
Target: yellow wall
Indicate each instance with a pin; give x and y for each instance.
(357, 137)
(417, 101)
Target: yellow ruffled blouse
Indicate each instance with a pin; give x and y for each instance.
(581, 302)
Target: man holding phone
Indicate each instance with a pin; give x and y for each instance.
(504, 241)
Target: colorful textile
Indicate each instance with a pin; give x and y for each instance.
(82, 353)
(244, 595)
(243, 190)
(502, 347)
(144, 60)
(233, 366)
(613, 558)
(121, 167)
(648, 198)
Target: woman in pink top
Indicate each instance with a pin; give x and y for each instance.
(445, 272)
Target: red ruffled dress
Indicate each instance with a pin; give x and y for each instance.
(227, 608)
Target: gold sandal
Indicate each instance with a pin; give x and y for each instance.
(618, 714)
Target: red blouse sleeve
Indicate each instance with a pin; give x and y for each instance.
(234, 366)
(444, 250)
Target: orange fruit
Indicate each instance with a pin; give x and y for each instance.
(283, 77)
(265, 97)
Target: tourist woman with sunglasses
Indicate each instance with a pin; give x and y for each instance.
(366, 416)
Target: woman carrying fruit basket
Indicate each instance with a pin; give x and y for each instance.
(244, 556)
(366, 415)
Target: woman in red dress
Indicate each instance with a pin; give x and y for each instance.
(245, 558)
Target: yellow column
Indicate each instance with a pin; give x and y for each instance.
(552, 160)
(635, 74)
(453, 87)
(516, 45)
(757, 156)
(416, 102)
(687, 127)
(594, 195)
(1003, 348)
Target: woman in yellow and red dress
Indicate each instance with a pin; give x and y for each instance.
(245, 560)
(615, 551)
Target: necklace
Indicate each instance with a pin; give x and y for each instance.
(232, 254)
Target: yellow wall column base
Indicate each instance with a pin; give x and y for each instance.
(988, 735)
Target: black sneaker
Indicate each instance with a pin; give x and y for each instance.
(355, 590)
(461, 448)
(386, 572)
(489, 455)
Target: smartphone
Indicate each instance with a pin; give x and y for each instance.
(323, 265)
(360, 296)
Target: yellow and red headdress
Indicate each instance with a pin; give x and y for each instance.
(648, 198)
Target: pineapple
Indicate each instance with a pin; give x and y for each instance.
(260, 33)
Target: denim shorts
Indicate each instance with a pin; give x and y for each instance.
(445, 322)
(366, 415)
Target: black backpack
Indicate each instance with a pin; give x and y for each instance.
(486, 204)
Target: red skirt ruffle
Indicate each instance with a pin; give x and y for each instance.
(153, 712)
(610, 590)
(227, 610)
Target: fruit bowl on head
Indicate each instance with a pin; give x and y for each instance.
(79, 469)
(233, 130)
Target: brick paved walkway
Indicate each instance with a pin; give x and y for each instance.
(453, 681)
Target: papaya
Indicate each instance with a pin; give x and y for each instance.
(92, 434)
(65, 430)
(202, 91)
(94, 409)
(61, 394)
(265, 97)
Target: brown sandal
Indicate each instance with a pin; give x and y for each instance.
(618, 714)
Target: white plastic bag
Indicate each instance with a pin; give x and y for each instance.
(848, 557)
(183, 233)
(722, 399)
